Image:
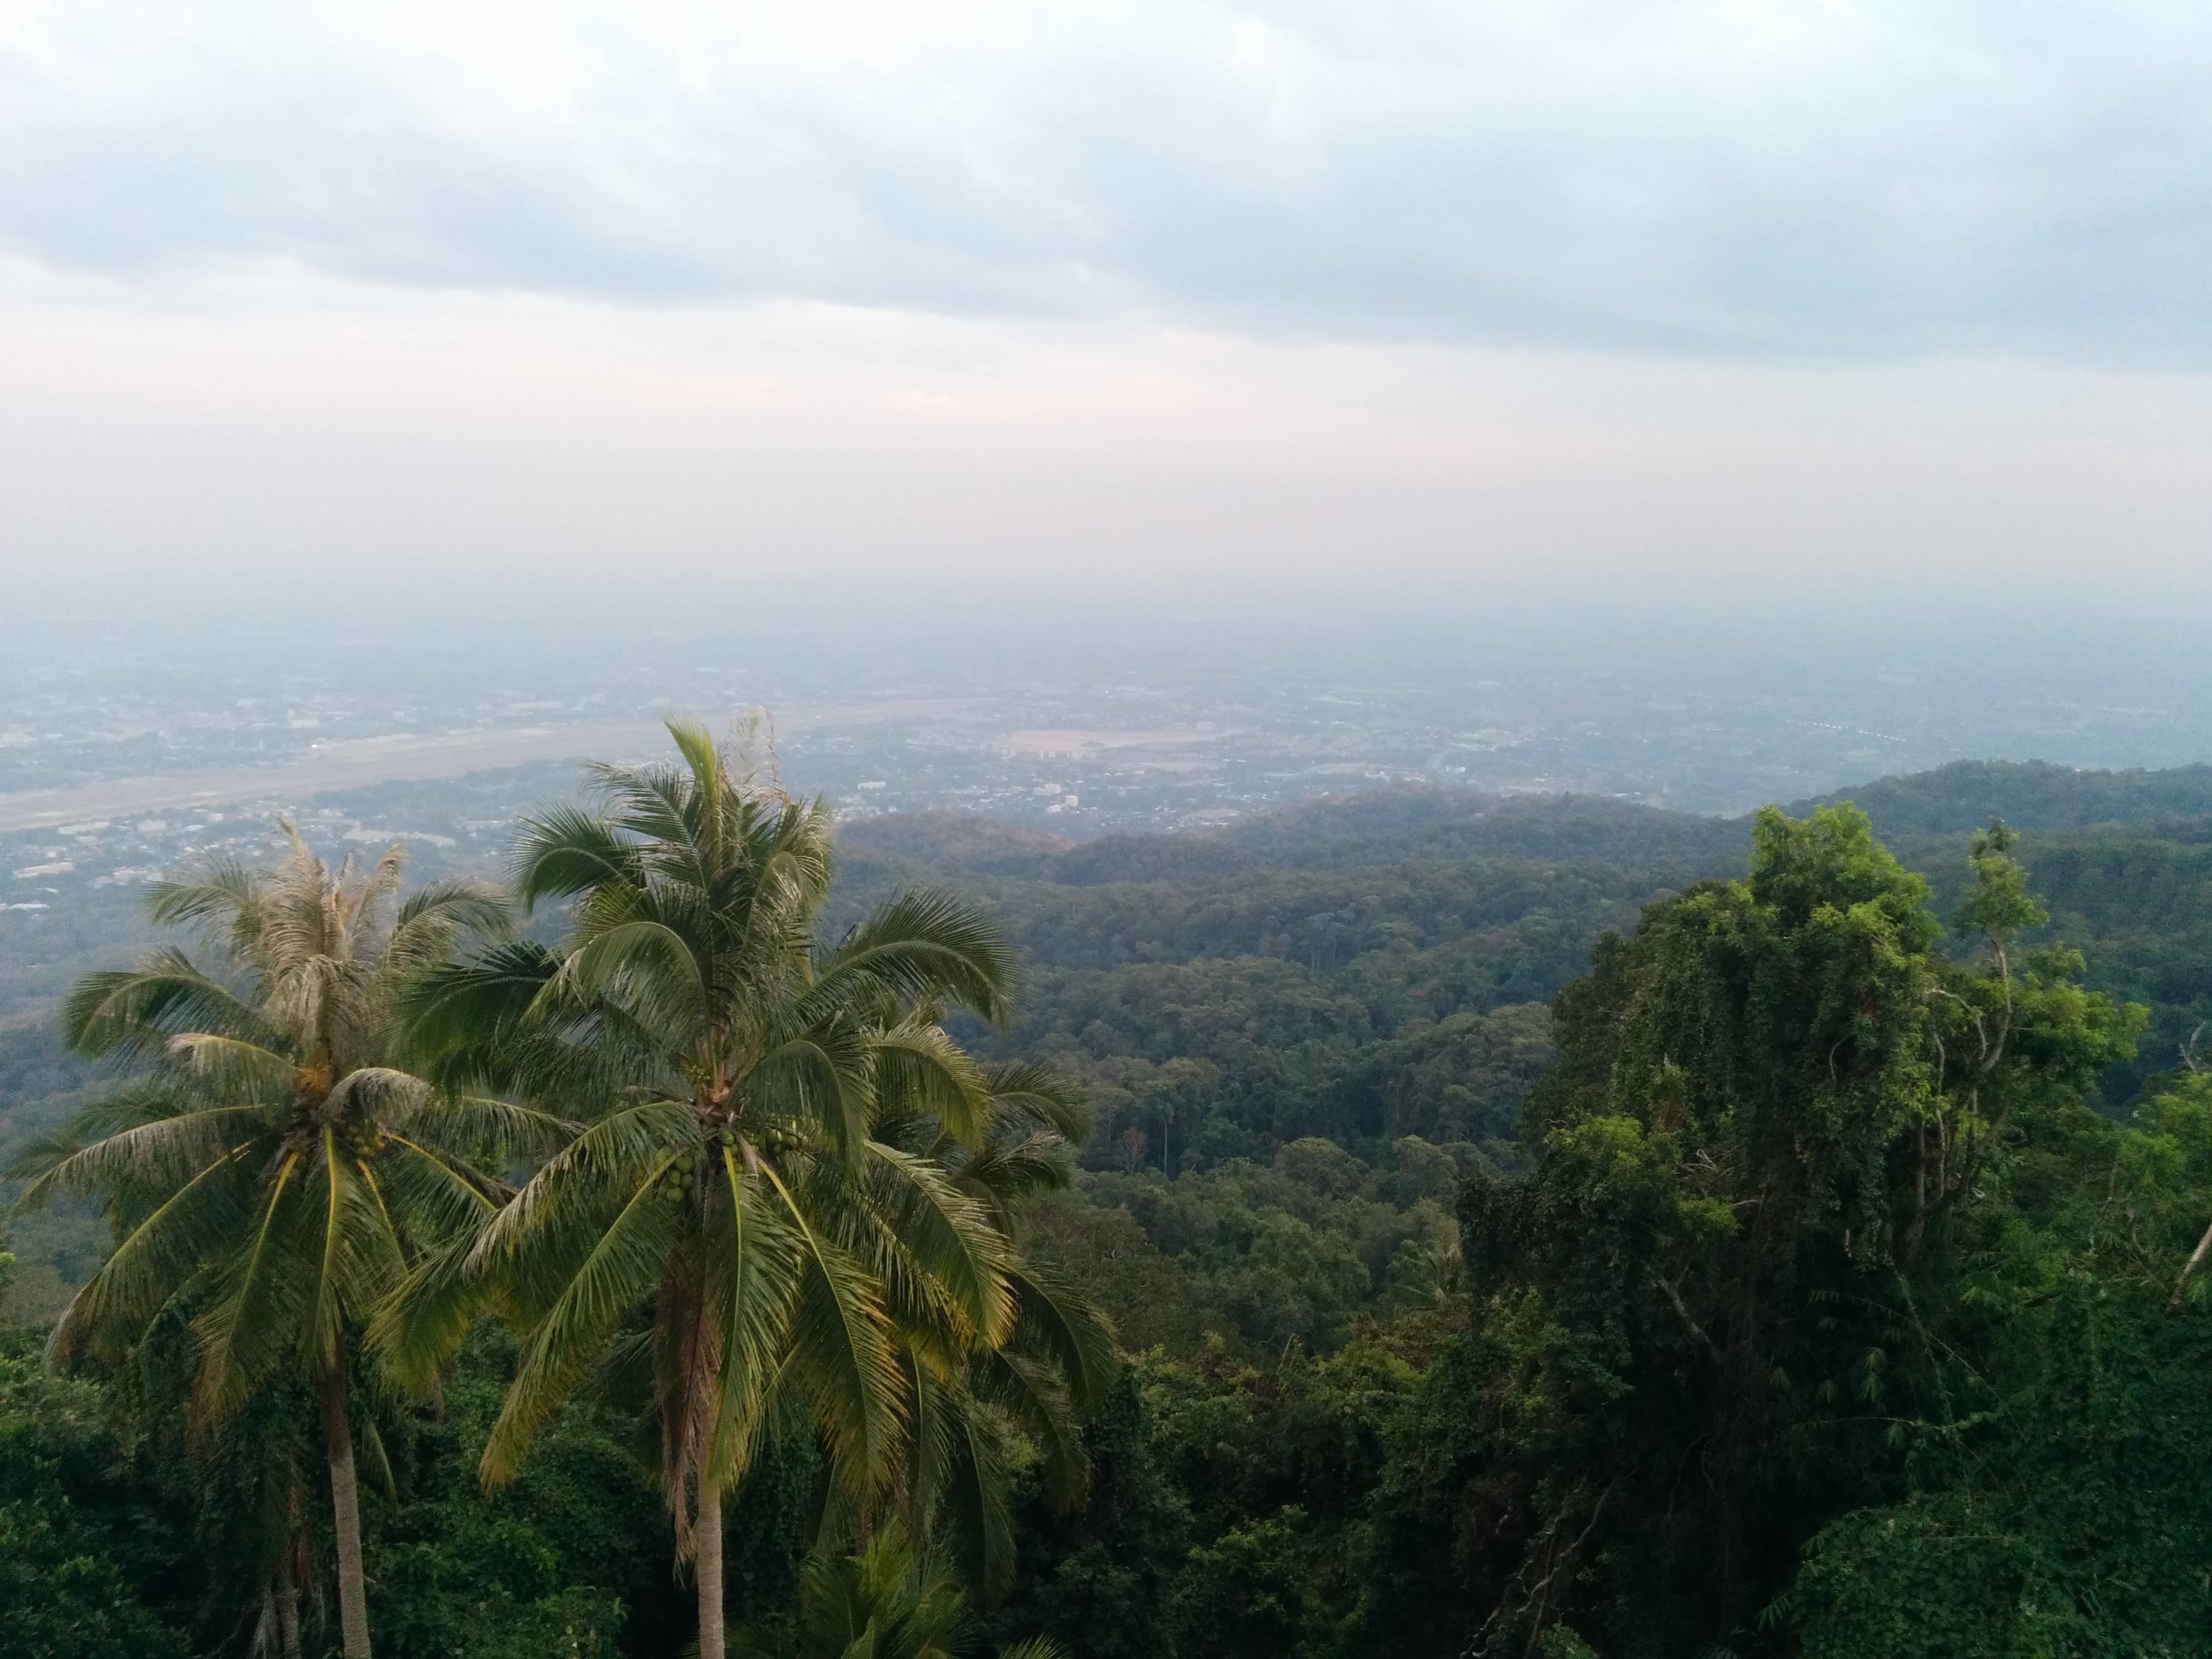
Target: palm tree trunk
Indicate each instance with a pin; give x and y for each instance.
(287, 1607)
(706, 1542)
(345, 1503)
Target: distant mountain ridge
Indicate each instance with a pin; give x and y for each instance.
(1409, 824)
(1287, 955)
(2026, 794)
(1416, 822)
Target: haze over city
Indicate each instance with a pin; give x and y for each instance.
(1176, 342)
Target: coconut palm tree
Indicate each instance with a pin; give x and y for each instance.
(270, 1167)
(752, 1213)
(882, 1602)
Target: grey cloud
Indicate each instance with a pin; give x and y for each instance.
(1791, 176)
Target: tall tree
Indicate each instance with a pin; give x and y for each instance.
(1728, 1303)
(757, 1179)
(269, 1167)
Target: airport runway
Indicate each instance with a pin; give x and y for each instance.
(353, 764)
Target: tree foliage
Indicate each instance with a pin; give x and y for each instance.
(1811, 1277)
(793, 1198)
(272, 1168)
(1743, 1290)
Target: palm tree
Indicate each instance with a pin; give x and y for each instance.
(882, 1602)
(270, 1169)
(753, 1179)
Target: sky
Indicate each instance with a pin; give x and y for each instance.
(1587, 298)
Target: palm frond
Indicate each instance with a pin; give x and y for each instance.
(921, 1070)
(565, 851)
(359, 906)
(458, 1124)
(434, 920)
(822, 1077)
(440, 1196)
(155, 1154)
(146, 1098)
(582, 1313)
(190, 1228)
(751, 1290)
(134, 1012)
(1025, 1092)
(648, 966)
(1034, 1397)
(422, 1323)
(460, 903)
(1007, 1174)
(841, 1348)
(466, 1004)
(231, 1065)
(376, 1462)
(226, 890)
(938, 1236)
(924, 945)
(612, 1156)
(1053, 1318)
(356, 1255)
(975, 1495)
(382, 1093)
(256, 1317)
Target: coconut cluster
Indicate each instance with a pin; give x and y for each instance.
(681, 1178)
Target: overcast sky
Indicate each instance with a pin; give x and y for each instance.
(1149, 290)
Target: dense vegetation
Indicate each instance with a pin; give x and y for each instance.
(1529, 1226)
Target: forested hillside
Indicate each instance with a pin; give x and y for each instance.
(2029, 795)
(1528, 1226)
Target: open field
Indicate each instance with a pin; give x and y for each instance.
(354, 763)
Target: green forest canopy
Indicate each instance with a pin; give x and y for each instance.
(1435, 1295)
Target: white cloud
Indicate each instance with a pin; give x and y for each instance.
(1742, 175)
(273, 419)
(1154, 290)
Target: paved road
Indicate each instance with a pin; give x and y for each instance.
(356, 762)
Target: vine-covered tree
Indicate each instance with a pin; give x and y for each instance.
(1725, 1305)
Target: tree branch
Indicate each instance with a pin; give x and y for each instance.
(2195, 1260)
